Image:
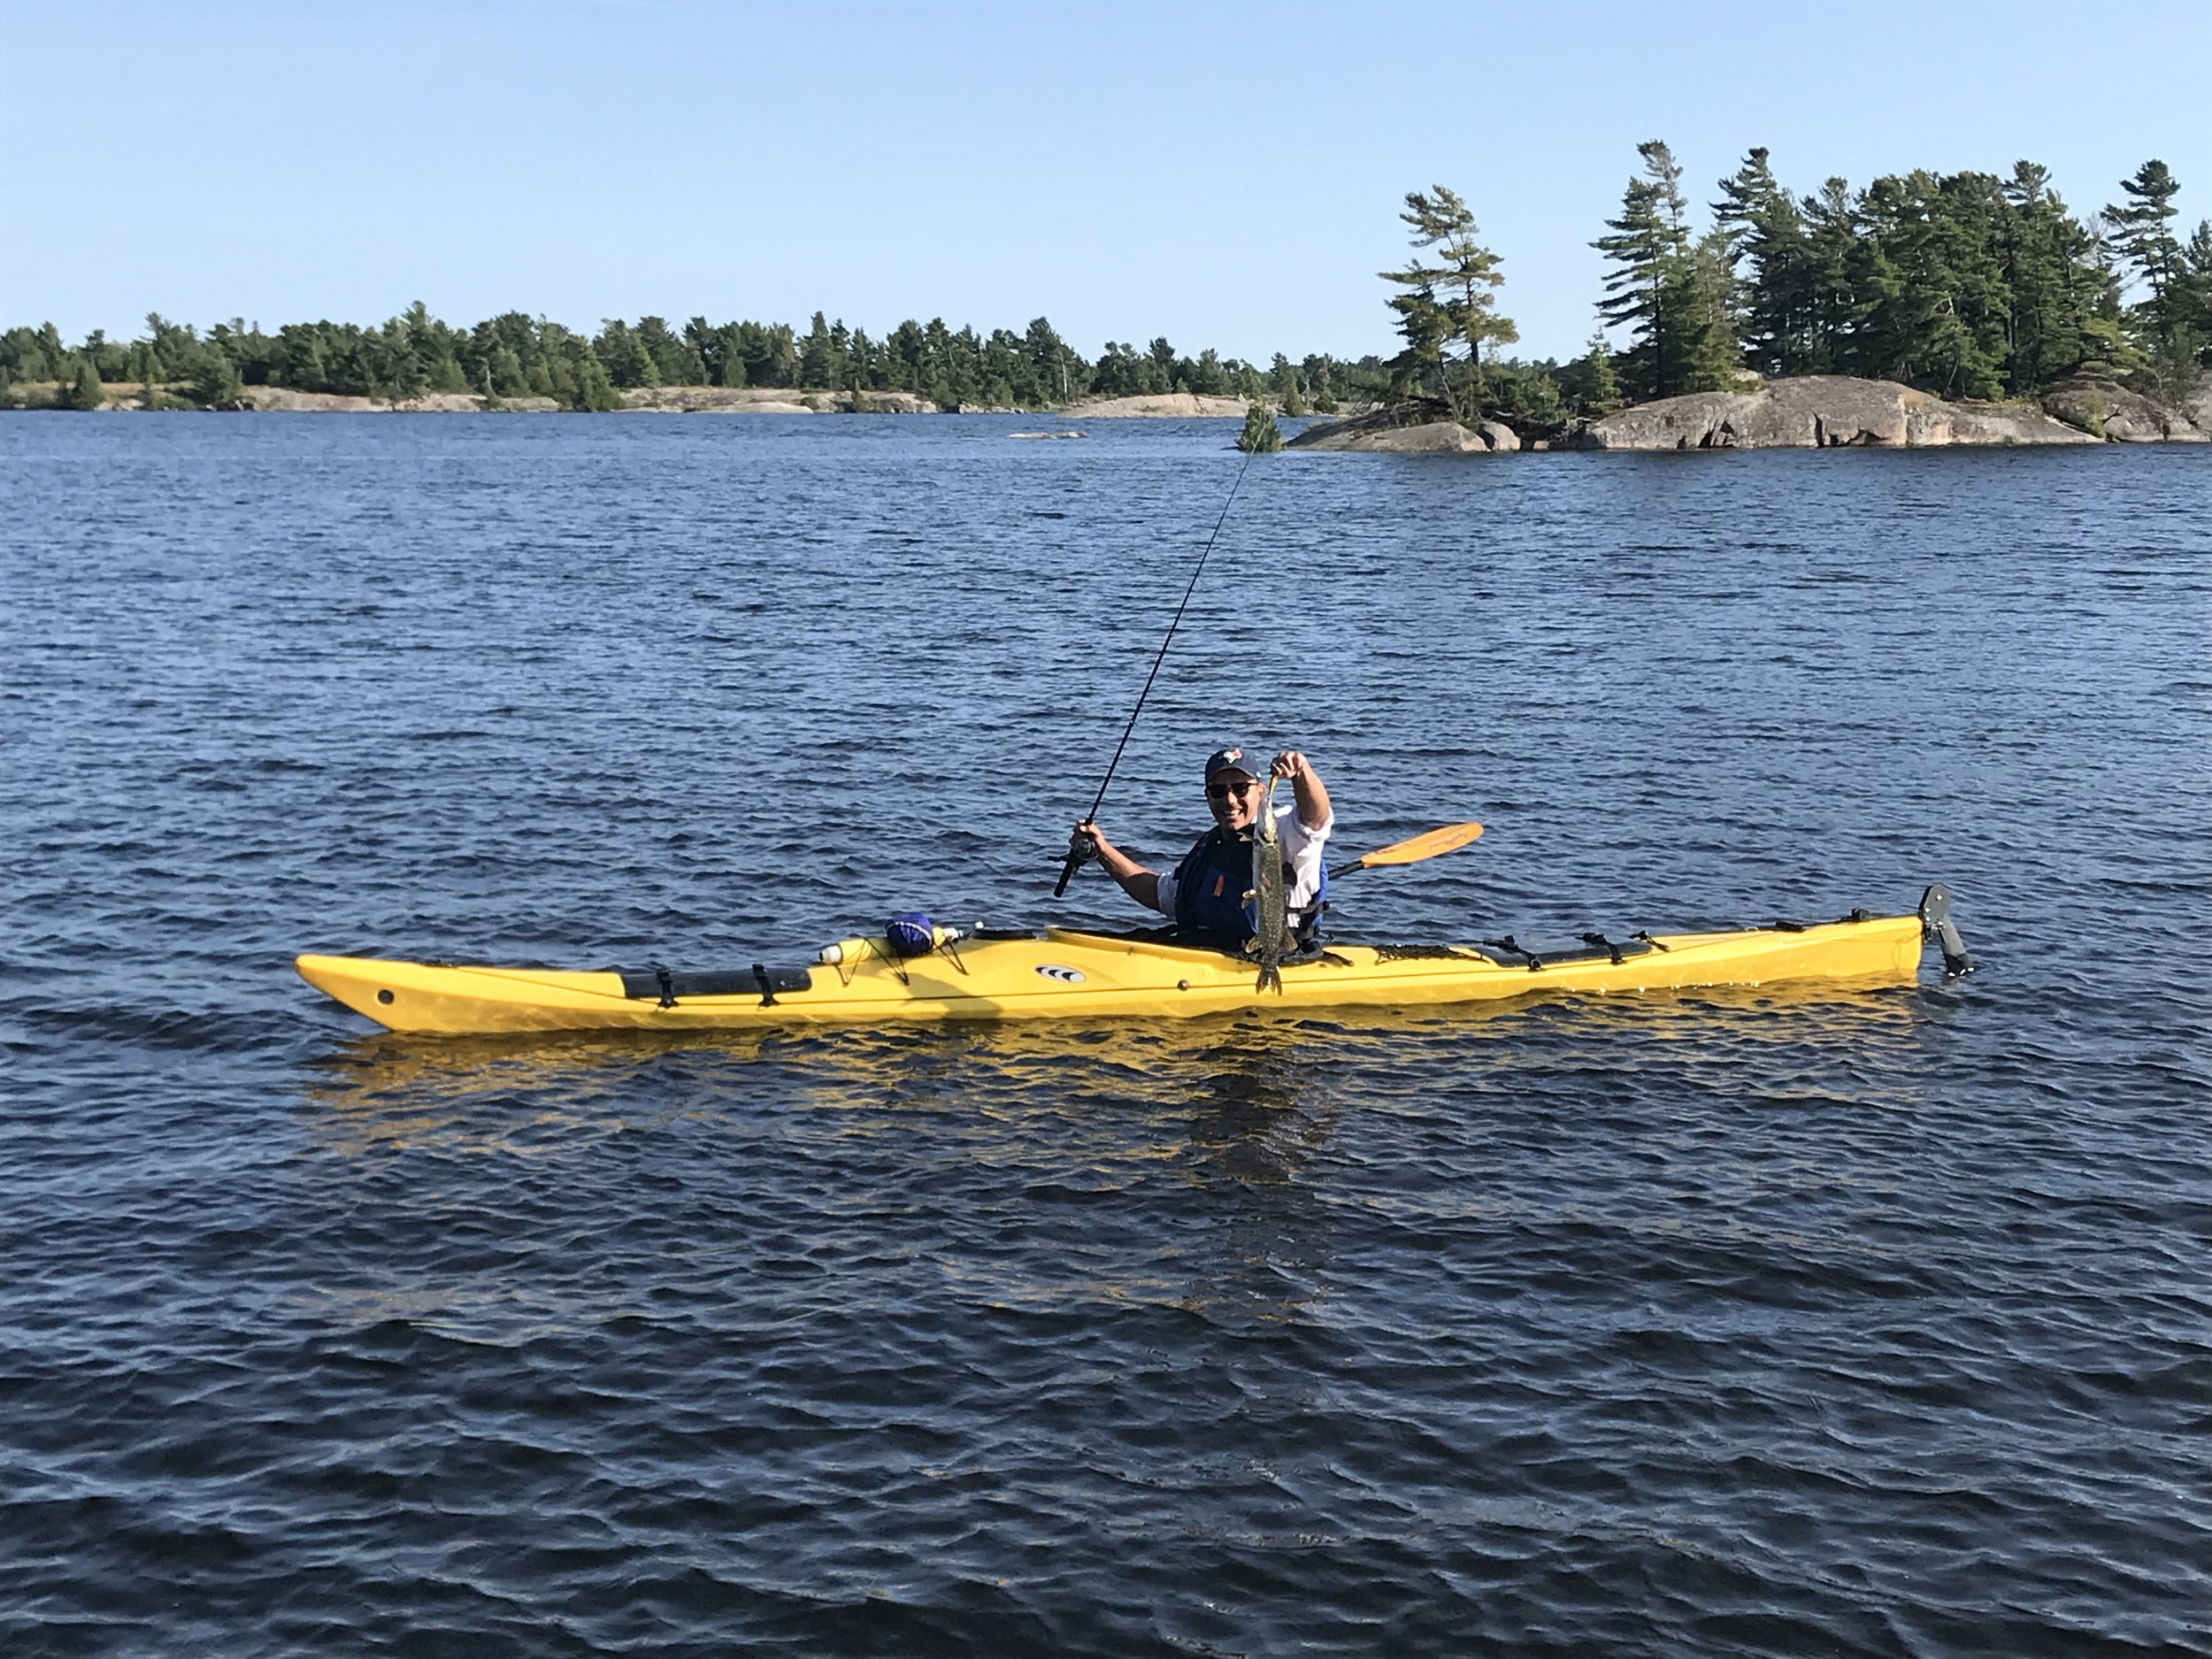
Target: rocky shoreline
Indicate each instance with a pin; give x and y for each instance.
(127, 397)
(695, 400)
(1814, 412)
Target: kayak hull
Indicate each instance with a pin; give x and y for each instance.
(1065, 974)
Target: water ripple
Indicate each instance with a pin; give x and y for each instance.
(1729, 1323)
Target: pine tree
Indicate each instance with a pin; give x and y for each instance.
(2144, 238)
(1701, 301)
(1450, 302)
(2143, 227)
(820, 356)
(595, 391)
(1675, 295)
(1053, 363)
(81, 388)
(1936, 302)
(1599, 388)
(2196, 286)
(1833, 252)
(2047, 260)
(215, 381)
(1646, 245)
(1772, 306)
(1422, 325)
(1261, 436)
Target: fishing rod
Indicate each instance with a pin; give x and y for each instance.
(1081, 848)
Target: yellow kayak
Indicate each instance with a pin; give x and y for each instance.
(1062, 973)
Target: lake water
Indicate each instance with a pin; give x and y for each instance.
(1874, 1323)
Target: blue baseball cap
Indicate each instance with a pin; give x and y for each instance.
(1235, 759)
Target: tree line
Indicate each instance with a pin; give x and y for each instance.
(516, 356)
(1965, 284)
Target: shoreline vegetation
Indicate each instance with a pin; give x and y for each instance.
(1964, 308)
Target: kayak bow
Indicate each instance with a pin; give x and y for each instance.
(1062, 973)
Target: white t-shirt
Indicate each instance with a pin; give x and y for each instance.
(1302, 849)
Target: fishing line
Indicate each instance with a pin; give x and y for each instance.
(1078, 853)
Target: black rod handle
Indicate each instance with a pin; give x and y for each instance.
(1081, 850)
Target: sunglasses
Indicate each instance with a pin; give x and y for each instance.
(1222, 791)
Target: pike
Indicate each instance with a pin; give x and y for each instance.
(1273, 904)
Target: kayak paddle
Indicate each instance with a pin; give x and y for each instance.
(1428, 844)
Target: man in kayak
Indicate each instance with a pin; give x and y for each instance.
(1206, 893)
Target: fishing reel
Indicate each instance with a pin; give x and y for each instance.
(1082, 849)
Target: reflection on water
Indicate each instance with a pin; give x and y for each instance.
(1236, 1076)
(1247, 1112)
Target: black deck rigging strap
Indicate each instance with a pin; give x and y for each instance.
(670, 988)
(1535, 962)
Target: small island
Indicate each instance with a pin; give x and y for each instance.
(1968, 309)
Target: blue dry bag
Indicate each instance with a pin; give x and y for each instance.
(910, 934)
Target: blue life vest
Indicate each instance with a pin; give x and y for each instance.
(1211, 881)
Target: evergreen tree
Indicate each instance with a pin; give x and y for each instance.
(1261, 436)
(951, 359)
(1053, 364)
(1422, 326)
(1936, 302)
(594, 390)
(2144, 238)
(673, 360)
(2196, 285)
(623, 356)
(1646, 245)
(1674, 295)
(2143, 227)
(821, 356)
(2045, 255)
(1833, 256)
(1450, 302)
(1703, 296)
(215, 380)
(80, 387)
(1762, 225)
(1599, 389)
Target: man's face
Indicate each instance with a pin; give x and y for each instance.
(1233, 799)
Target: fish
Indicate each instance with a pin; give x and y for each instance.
(1270, 896)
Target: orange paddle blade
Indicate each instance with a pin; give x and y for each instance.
(1428, 845)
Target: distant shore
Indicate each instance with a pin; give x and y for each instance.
(1811, 411)
(130, 397)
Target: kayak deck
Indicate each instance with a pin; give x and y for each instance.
(1063, 974)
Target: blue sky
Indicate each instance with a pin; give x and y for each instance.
(1224, 174)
